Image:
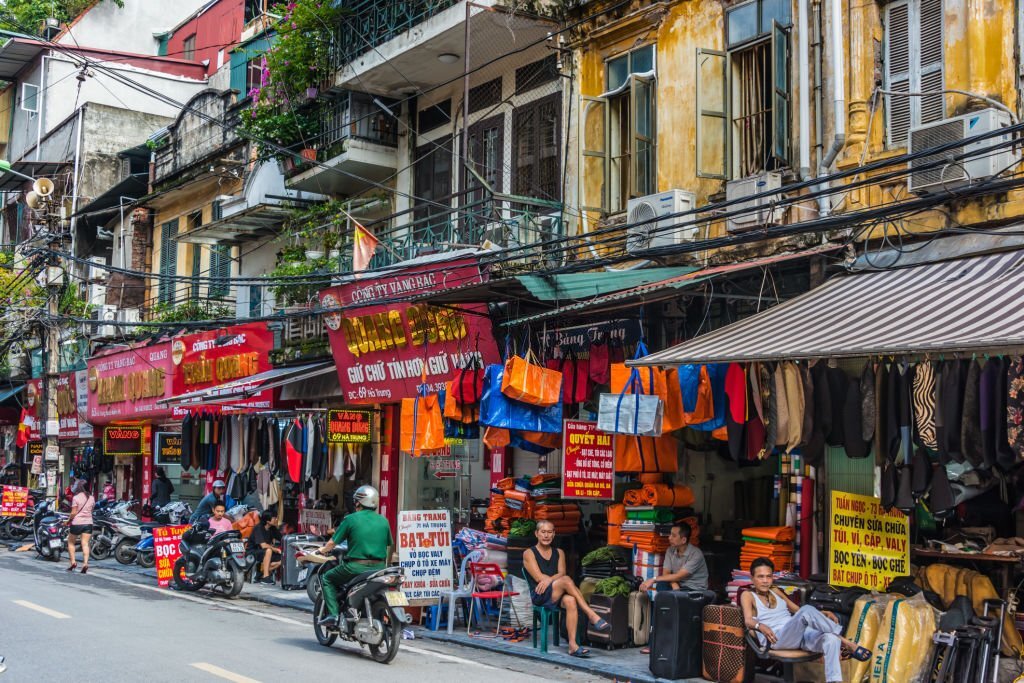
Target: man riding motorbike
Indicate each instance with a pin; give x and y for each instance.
(369, 540)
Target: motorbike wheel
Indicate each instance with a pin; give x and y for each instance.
(5, 532)
(323, 636)
(124, 551)
(145, 559)
(388, 648)
(237, 582)
(99, 548)
(181, 580)
(17, 533)
(313, 587)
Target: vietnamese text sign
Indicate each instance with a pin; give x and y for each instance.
(384, 350)
(588, 461)
(315, 521)
(122, 441)
(868, 546)
(425, 552)
(13, 501)
(349, 426)
(165, 549)
(33, 450)
(168, 448)
(126, 384)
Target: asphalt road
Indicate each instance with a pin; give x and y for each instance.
(109, 626)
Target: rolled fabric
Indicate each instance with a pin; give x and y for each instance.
(668, 496)
(633, 497)
(779, 534)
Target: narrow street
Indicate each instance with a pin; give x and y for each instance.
(110, 626)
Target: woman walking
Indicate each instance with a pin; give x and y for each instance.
(81, 523)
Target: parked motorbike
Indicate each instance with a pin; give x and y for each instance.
(207, 558)
(128, 534)
(49, 532)
(367, 615)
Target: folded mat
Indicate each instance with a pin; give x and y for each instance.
(771, 533)
(632, 498)
(666, 495)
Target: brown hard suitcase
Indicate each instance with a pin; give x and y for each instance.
(726, 657)
(640, 617)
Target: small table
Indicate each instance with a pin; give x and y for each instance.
(1002, 563)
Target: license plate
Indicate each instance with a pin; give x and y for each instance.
(237, 548)
(54, 542)
(396, 598)
(303, 573)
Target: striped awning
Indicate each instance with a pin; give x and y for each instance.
(970, 304)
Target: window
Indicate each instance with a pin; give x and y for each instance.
(486, 147)
(744, 94)
(195, 219)
(485, 96)
(255, 301)
(188, 48)
(433, 116)
(220, 270)
(30, 97)
(536, 74)
(620, 134)
(913, 63)
(432, 183)
(168, 260)
(536, 144)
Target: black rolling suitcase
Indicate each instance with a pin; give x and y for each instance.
(616, 612)
(678, 633)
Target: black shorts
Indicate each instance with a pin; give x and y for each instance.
(79, 529)
(544, 599)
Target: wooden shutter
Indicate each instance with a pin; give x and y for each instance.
(643, 117)
(780, 94)
(168, 260)
(929, 51)
(594, 164)
(220, 269)
(712, 114)
(897, 71)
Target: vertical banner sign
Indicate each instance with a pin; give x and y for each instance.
(13, 501)
(349, 426)
(425, 552)
(868, 546)
(588, 461)
(165, 548)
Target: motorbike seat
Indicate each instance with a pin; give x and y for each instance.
(359, 578)
(148, 526)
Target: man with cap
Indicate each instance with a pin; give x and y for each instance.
(205, 507)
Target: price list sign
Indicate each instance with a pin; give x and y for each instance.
(588, 461)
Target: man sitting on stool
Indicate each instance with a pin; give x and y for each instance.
(684, 568)
(266, 545)
(550, 586)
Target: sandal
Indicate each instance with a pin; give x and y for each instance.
(72, 567)
(645, 650)
(602, 626)
(581, 652)
(85, 568)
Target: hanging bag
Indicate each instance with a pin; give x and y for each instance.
(576, 382)
(498, 410)
(526, 380)
(422, 425)
(656, 382)
(631, 411)
(468, 382)
(459, 412)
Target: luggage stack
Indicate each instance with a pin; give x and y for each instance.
(676, 641)
(773, 542)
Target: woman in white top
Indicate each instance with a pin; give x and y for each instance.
(784, 626)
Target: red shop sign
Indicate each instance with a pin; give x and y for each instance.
(588, 457)
(208, 359)
(166, 540)
(126, 385)
(380, 349)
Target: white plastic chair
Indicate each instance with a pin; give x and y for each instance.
(464, 589)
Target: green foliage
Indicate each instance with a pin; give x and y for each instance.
(72, 304)
(279, 125)
(191, 310)
(318, 224)
(300, 292)
(28, 16)
(612, 586)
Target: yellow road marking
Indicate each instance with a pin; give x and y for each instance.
(42, 610)
(223, 673)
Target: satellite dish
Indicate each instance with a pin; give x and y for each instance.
(43, 187)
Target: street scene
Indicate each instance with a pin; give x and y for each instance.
(561, 340)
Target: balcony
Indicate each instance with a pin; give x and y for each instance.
(357, 142)
(388, 47)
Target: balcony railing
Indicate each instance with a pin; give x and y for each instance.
(354, 115)
(370, 23)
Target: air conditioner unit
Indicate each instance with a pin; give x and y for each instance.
(97, 271)
(957, 173)
(108, 314)
(128, 315)
(758, 212)
(97, 294)
(653, 234)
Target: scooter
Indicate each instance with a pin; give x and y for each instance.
(207, 558)
(172, 513)
(314, 566)
(49, 532)
(367, 615)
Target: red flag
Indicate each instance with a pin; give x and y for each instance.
(22, 438)
(364, 245)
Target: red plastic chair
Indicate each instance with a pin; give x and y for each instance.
(479, 570)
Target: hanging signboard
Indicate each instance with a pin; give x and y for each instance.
(166, 540)
(168, 448)
(868, 546)
(123, 441)
(588, 461)
(349, 426)
(383, 350)
(13, 501)
(33, 450)
(315, 521)
(85, 430)
(579, 338)
(126, 384)
(425, 552)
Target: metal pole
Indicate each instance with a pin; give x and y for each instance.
(464, 152)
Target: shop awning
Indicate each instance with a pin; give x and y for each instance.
(321, 387)
(660, 289)
(9, 392)
(969, 304)
(248, 386)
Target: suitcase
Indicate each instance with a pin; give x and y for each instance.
(640, 617)
(587, 587)
(616, 612)
(677, 637)
(725, 655)
(293, 575)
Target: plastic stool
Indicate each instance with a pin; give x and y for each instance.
(542, 617)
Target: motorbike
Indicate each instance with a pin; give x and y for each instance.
(49, 532)
(172, 513)
(220, 560)
(367, 613)
(314, 566)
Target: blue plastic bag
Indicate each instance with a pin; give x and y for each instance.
(498, 410)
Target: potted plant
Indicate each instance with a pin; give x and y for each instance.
(314, 254)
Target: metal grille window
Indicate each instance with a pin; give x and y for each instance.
(434, 116)
(485, 95)
(220, 270)
(168, 260)
(536, 74)
(913, 64)
(432, 182)
(195, 219)
(536, 143)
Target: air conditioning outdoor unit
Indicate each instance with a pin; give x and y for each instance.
(957, 173)
(128, 315)
(758, 212)
(672, 229)
(96, 268)
(97, 294)
(108, 314)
